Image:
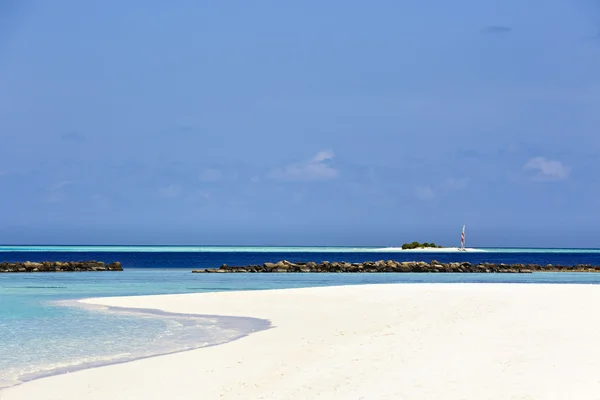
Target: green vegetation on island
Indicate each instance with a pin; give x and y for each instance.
(417, 245)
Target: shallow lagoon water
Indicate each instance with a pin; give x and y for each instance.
(44, 332)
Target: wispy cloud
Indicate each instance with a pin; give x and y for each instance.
(211, 175)
(496, 29)
(216, 174)
(318, 168)
(545, 169)
(55, 192)
(170, 192)
(469, 153)
(60, 185)
(424, 193)
(199, 195)
(428, 192)
(456, 183)
(73, 137)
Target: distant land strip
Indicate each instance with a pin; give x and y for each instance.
(58, 266)
(396, 266)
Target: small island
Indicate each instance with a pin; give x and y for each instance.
(417, 245)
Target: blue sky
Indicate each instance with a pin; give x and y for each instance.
(300, 123)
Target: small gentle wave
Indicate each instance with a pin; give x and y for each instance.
(181, 332)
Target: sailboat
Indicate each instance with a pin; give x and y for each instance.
(462, 240)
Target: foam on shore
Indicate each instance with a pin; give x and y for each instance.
(183, 332)
(426, 341)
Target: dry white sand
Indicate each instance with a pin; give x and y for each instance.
(400, 341)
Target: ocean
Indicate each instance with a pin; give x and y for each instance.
(44, 331)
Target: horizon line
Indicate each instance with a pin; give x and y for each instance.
(281, 245)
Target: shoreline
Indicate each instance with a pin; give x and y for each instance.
(381, 341)
(432, 250)
(241, 325)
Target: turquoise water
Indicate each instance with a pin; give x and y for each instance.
(44, 331)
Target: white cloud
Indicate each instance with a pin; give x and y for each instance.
(60, 185)
(428, 192)
(547, 169)
(208, 175)
(211, 175)
(424, 192)
(53, 198)
(199, 195)
(323, 155)
(317, 168)
(55, 192)
(171, 191)
(456, 183)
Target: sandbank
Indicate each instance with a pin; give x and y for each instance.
(392, 341)
(432, 250)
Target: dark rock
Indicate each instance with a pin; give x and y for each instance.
(57, 266)
(391, 266)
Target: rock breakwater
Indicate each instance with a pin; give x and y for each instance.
(57, 266)
(397, 266)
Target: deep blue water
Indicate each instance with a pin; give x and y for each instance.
(215, 259)
(41, 335)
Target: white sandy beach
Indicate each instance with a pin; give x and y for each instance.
(396, 341)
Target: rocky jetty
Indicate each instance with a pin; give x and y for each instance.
(57, 266)
(398, 266)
